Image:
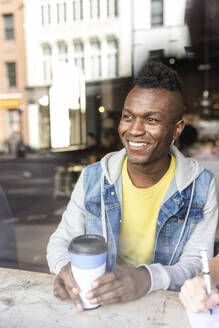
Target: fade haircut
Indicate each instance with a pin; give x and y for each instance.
(157, 75)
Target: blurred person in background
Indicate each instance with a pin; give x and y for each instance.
(207, 150)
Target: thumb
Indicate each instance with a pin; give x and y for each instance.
(213, 300)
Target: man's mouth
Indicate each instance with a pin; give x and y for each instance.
(137, 144)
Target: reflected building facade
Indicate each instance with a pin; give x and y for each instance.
(13, 112)
(93, 38)
(159, 31)
(107, 41)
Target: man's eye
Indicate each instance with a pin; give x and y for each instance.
(127, 117)
(152, 119)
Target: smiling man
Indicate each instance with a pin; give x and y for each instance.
(154, 207)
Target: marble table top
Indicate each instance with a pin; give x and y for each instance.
(26, 300)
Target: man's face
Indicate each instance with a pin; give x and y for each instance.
(147, 125)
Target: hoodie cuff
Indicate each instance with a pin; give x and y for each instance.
(59, 266)
(159, 277)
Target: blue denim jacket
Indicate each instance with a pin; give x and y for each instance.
(170, 219)
(186, 222)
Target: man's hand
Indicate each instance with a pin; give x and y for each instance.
(194, 297)
(121, 285)
(66, 287)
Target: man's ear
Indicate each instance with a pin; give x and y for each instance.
(179, 126)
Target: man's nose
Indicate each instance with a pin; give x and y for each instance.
(137, 127)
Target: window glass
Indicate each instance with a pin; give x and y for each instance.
(61, 12)
(79, 55)
(66, 68)
(112, 8)
(45, 14)
(156, 54)
(63, 52)
(14, 117)
(156, 12)
(95, 64)
(11, 74)
(94, 9)
(47, 63)
(77, 6)
(112, 58)
(8, 26)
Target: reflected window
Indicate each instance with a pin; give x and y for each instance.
(63, 52)
(156, 12)
(11, 74)
(77, 10)
(8, 26)
(112, 8)
(45, 14)
(95, 59)
(79, 55)
(112, 58)
(94, 9)
(156, 54)
(61, 12)
(47, 63)
(13, 122)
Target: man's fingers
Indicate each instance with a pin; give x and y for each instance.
(65, 286)
(109, 298)
(110, 286)
(121, 285)
(107, 278)
(59, 290)
(67, 277)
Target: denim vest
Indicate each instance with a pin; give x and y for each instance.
(171, 232)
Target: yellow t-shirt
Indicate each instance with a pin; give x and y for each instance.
(139, 218)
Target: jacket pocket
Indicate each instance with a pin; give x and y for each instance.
(93, 207)
(93, 222)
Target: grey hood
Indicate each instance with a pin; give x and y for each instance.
(187, 169)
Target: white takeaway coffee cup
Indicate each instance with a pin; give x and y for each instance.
(88, 262)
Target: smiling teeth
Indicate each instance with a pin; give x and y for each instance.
(137, 144)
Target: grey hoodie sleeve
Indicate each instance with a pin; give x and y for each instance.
(71, 225)
(189, 265)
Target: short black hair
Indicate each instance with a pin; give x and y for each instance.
(157, 75)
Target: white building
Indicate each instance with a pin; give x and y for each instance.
(107, 40)
(159, 30)
(93, 35)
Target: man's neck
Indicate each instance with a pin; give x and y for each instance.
(145, 176)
